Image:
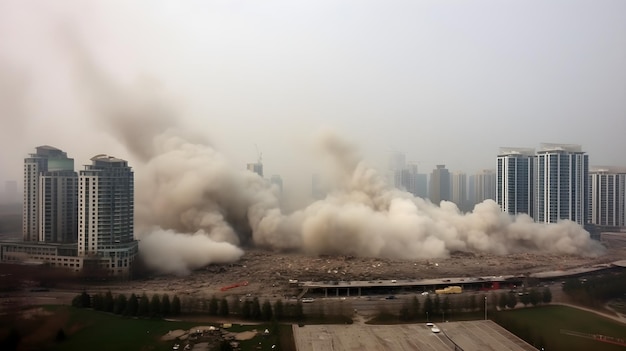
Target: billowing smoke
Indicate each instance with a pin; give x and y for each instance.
(194, 208)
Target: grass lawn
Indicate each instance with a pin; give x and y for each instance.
(86, 329)
(545, 324)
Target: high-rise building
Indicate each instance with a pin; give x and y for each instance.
(562, 178)
(50, 208)
(10, 192)
(515, 180)
(439, 185)
(256, 168)
(106, 213)
(482, 186)
(608, 196)
(278, 181)
(459, 190)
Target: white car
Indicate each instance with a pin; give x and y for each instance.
(425, 293)
(308, 300)
(435, 329)
(430, 324)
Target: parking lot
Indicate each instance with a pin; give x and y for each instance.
(470, 336)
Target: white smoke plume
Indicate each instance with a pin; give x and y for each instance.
(194, 208)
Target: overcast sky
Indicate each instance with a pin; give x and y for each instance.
(446, 82)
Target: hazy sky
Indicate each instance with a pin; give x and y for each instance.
(446, 82)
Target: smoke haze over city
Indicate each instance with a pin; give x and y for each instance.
(185, 91)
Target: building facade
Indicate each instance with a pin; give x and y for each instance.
(459, 190)
(106, 214)
(440, 185)
(515, 180)
(608, 196)
(50, 193)
(562, 178)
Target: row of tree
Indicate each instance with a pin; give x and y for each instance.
(253, 309)
(412, 310)
(596, 291)
(140, 306)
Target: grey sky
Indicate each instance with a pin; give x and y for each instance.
(443, 81)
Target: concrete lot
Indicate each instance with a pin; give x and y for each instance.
(471, 336)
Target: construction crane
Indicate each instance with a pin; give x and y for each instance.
(259, 154)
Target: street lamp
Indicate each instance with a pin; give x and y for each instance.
(485, 307)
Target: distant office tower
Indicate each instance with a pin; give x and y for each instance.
(608, 196)
(10, 191)
(50, 207)
(421, 185)
(395, 169)
(515, 180)
(256, 168)
(106, 212)
(319, 189)
(407, 179)
(459, 190)
(561, 176)
(278, 181)
(482, 186)
(439, 185)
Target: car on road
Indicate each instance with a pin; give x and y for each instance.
(390, 297)
(430, 324)
(435, 329)
(308, 300)
(425, 293)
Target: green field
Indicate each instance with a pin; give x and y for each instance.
(86, 329)
(545, 325)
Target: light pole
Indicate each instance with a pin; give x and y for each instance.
(485, 307)
(426, 317)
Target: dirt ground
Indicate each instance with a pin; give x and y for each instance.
(268, 273)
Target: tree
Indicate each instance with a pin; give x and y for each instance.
(415, 308)
(165, 305)
(298, 310)
(176, 305)
(155, 306)
(108, 302)
(546, 297)
(525, 298)
(144, 306)
(60, 335)
(98, 302)
(279, 312)
(246, 309)
(502, 300)
(120, 304)
(511, 300)
(132, 306)
(404, 313)
(446, 305)
(436, 304)
(223, 310)
(255, 311)
(472, 305)
(534, 297)
(428, 306)
(213, 306)
(266, 311)
(85, 300)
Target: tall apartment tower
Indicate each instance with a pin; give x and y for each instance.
(106, 206)
(50, 197)
(515, 180)
(439, 185)
(562, 178)
(608, 196)
(482, 186)
(255, 168)
(459, 190)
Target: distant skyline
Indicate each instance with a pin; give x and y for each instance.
(444, 82)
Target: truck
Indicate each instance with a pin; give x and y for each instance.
(454, 289)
